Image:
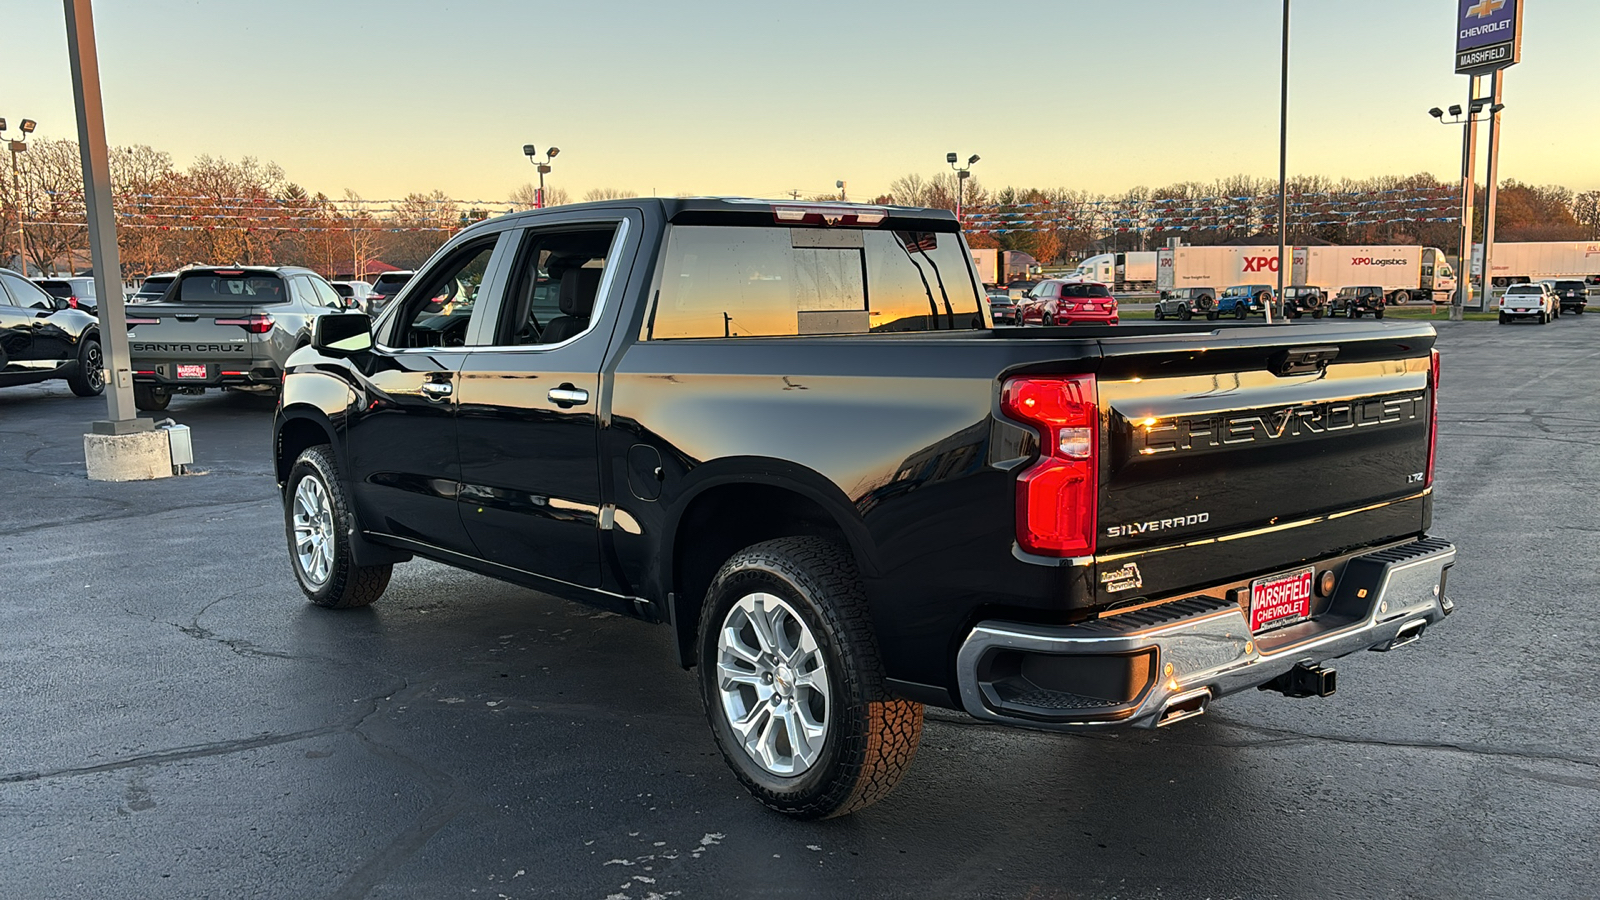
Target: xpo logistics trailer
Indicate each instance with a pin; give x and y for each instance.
(1522, 262)
(1405, 272)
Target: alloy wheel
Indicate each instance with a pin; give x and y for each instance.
(313, 530)
(96, 376)
(773, 682)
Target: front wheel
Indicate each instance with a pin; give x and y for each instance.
(793, 684)
(1160, 313)
(151, 397)
(90, 378)
(318, 521)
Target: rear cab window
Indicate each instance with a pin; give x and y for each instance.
(743, 281)
(231, 286)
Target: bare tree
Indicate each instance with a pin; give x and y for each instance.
(527, 197)
(608, 194)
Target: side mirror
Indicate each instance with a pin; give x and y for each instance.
(61, 303)
(342, 334)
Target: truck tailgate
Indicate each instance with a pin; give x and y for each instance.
(200, 334)
(1283, 445)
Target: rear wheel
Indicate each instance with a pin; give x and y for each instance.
(1503, 318)
(1239, 311)
(151, 397)
(318, 521)
(90, 378)
(1351, 313)
(1185, 314)
(1401, 297)
(1211, 315)
(1316, 313)
(1378, 313)
(793, 685)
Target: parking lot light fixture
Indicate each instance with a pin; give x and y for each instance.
(543, 168)
(962, 174)
(1436, 112)
(18, 145)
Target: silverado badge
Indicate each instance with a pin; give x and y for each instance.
(1123, 579)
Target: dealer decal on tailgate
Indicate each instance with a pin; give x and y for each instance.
(1279, 600)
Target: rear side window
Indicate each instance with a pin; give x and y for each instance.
(722, 281)
(155, 285)
(56, 288)
(231, 287)
(344, 290)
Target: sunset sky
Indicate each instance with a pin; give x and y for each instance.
(719, 97)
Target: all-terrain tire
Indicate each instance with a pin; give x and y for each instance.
(151, 397)
(347, 585)
(1160, 313)
(871, 736)
(89, 380)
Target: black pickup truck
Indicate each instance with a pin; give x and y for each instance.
(791, 433)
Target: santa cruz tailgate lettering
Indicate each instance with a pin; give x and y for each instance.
(1207, 432)
(240, 347)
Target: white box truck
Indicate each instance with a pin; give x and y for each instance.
(1521, 262)
(1000, 267)
(1404, 271)
(1119, 271)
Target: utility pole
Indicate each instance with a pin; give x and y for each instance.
(1469, 167)
(121, 418)
(1283, 170)
(19, 145)
(1493, 177)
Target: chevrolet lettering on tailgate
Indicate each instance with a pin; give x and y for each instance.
(1207, 432)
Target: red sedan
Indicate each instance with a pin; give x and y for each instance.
(1068, 303)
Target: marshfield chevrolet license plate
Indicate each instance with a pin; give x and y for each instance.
(1280, 600)
(188, 371)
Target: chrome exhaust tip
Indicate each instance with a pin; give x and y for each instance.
(1409, 633)
(1182, 706)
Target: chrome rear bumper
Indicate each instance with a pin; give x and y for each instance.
(1164, 663)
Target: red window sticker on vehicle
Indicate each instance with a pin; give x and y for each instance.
(1279, 600)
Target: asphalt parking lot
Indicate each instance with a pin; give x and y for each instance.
(176, 721)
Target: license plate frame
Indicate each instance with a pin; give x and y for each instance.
(1282, 599)
(191, 371)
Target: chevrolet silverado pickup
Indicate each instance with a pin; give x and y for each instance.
(792, 434)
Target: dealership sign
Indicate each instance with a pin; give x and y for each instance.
(1488, 35)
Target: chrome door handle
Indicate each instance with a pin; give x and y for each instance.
(437, 390)
(568, 396)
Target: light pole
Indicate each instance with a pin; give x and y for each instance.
(962, 174)
(18, 145)
(1469, 119)
(1276, 306)
(840, 186)
(531, 152)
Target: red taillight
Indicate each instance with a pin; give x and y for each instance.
(252, 324)
(72, 302)
(1057, 496)
(1433, 413)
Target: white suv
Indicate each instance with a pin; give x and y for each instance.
(1531, 301)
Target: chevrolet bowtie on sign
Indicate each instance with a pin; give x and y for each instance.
(1488, 35)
